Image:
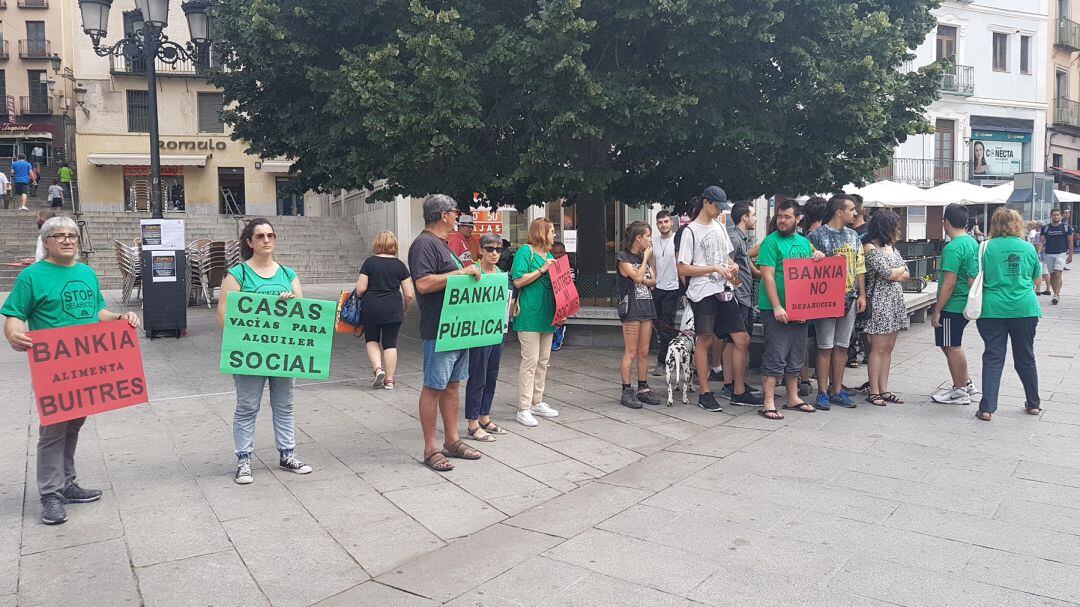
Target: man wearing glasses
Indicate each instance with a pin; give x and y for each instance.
(57, 292)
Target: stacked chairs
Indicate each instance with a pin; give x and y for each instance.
(127, 258)
(196, 251)
(209, 261)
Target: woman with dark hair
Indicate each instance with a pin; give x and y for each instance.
(259, 273)
(979, 152)
(1010, 311)
(633, 281)
(813, 214)
(484, 361)
(536, 312)
(885, 270)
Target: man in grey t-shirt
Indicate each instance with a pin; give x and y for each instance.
(742, 222)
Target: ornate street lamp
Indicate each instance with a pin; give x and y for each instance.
(147, 45)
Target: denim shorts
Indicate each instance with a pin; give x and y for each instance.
(443, 368)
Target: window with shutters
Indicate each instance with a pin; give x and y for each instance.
(210, 108)
(138, 110)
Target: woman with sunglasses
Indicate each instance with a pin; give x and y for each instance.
(259, 273)
(484, 361)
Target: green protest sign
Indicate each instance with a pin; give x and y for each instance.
(473, 312)
(265, 335)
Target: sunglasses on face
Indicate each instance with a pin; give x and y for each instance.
(268, 236)
(493, 249)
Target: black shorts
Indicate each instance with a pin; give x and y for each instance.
(748, 320)
(951, 332)
(386, 334)
(719, 318)
(57, 203)
(20, 188)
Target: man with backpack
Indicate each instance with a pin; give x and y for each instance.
(1056, 250)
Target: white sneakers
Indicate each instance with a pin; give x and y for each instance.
(957, 396)
(527, 417)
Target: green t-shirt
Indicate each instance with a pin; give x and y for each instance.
(47, 295)
(774, 250)
(960, 257)
(65, 174)
(251, 282)
(1011, 268)
(537, 300)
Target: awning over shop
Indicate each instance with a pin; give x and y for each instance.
(187, 160)
(276, 166)
(1004, 193)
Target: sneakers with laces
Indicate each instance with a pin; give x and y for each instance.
(823, 403)
(747, 399)
(708, 402)
(544, 410)
(52, 510)
(954, 396)
(291, 463)
(659, 370)
(715, 375)
(629, 399)
(525, 418)
(77, 495)
(727, 390)
(842, 399)
(243, 472)
(647, 396)
(971, 389)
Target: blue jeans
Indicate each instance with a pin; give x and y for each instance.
(483, 375)
(996, 333)
(444, 368)
(249, 391)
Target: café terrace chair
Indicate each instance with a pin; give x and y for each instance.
(127, 259)
(196, 253)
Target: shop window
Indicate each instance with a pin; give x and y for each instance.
(137, 188)
(290, 201)
(138, 111)
(210, 107)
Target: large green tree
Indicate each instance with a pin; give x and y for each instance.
(592, 100)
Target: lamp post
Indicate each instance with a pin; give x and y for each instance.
(146, 45)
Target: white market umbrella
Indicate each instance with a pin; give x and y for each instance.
(960, 192)
(892, 194)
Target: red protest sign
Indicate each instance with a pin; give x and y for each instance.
(86, 369)
(815, 289)
(567, 302)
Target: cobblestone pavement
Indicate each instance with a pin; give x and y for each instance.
(914, 504)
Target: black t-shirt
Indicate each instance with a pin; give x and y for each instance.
(382, 300)
(429, 255)
(1056, 238)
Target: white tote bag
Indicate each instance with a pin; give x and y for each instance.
(973, 309)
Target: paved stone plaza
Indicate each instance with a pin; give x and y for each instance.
(914, 504)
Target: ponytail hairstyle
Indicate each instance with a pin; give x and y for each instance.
(246, 251)
(635, 229)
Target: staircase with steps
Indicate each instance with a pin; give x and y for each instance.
(320, 249)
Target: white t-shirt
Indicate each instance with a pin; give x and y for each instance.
(39, 253)
(663, 250)
(705, 245)
(4, 183)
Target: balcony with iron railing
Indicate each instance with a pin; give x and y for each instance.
(956, 79)
(36, 105)
(4, 55)
(35, 48)
(1067, 112)
(1068, 35)
(183, 68)
(924, 173)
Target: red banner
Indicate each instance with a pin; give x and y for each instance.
(86, 369)
(567, 302)
(815, 289)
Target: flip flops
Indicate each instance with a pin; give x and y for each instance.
(765, 413)
(804, 407)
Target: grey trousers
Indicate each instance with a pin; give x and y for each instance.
(56, 456)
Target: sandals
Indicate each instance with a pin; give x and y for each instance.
(1033, 411)
(804, 407)
(853, 363)
(877, 400)
(892, 398)
(983, 415)
(775, 415)
(491, 428)
(388, 384)
(480, 435)
(438, 462)
(378, 375)
(461, 451)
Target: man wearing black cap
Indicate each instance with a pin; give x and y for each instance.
(705, 259)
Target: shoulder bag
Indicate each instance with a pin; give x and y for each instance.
(973, 309)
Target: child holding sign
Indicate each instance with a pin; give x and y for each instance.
(57, 292)
(259, 273)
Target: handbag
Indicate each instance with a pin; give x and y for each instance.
(973, 309)
(348, 320)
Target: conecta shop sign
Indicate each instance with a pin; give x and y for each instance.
(207, 145)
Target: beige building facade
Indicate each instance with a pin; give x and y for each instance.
(35, 42)
(1063, 126)
(203, 170)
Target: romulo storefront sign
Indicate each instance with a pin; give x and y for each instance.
(192, 144)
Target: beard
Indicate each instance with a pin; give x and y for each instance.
(786, 231)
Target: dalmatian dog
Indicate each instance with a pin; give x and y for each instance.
(680, 366)
(680, 359)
